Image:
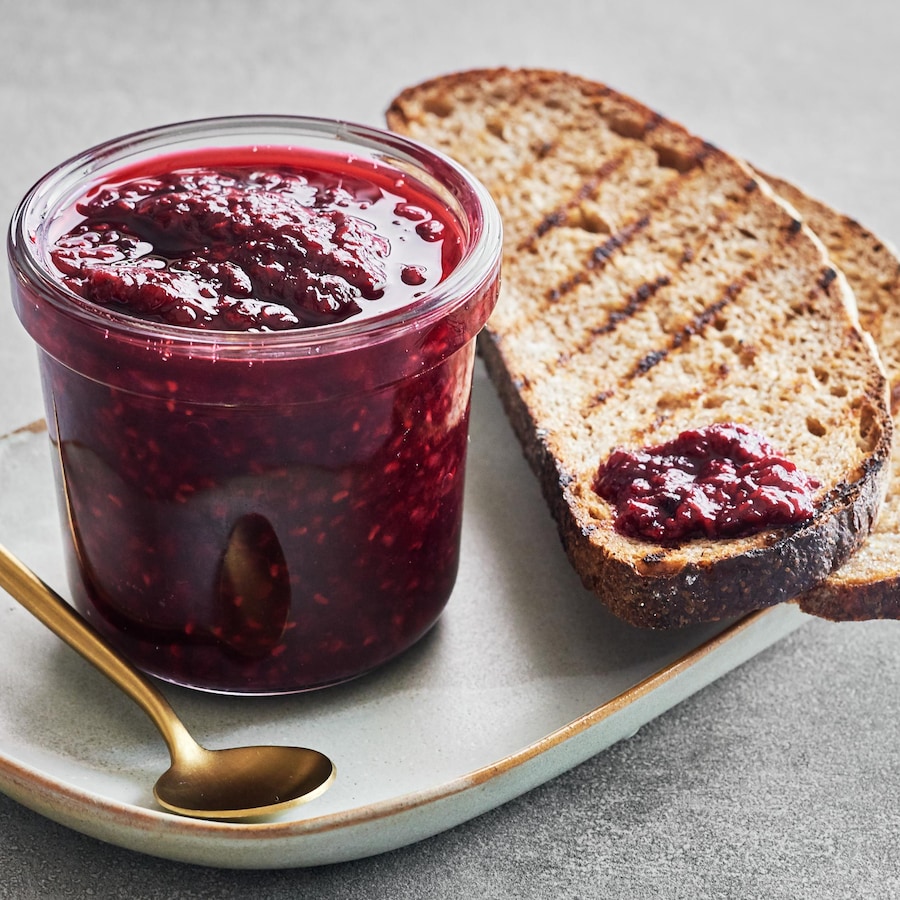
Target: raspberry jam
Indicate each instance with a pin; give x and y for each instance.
(721, 481)
(249, 248)
(256, 357)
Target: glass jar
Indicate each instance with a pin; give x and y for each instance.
(259, 512)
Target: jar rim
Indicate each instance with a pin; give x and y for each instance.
(478, 215)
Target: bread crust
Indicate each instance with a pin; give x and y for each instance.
(535, 366)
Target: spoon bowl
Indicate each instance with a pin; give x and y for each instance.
(229, 784)
(237, 783)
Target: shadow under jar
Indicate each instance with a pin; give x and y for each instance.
(262, 493)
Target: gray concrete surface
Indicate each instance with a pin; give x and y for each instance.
(782, 779)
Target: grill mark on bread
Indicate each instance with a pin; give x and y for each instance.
(598, 259)
(636, 300)
(597, 400)
(679, 160)
(560, 215)
(602, 254)
(696, 326)
(679, 340)
(641, 296)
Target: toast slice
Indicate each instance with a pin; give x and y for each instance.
(651, 284)
(868, 585)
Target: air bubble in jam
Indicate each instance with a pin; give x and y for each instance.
(413, 275)
(721, 481)
(430, 230)
(409, 211)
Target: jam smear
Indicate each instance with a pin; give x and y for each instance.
(721, 481)
(241, 248)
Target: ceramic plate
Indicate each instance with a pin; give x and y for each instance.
(524, 677)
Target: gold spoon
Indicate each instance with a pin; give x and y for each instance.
(242, 782)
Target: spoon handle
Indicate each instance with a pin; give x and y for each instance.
(48, 607)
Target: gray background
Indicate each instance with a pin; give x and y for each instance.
(780, 780)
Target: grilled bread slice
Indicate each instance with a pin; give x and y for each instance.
(868, 585)
(651, 284)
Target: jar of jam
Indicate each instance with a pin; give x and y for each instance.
(256, 342)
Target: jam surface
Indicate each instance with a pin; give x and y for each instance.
(256, 248)
(721, 481)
